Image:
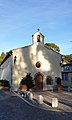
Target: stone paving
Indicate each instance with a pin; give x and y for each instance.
(64, 99)
(14, 108)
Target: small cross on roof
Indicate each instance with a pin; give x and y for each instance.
(38, 29)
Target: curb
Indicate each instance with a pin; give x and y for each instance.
(56, 110)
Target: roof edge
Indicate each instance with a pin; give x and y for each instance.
(7, 56)
(52, 49)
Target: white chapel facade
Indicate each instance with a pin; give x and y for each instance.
(41, 61)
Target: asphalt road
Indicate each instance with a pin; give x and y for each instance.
(14, 108)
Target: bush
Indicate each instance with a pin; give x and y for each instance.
(28, 81)
(58, 80)
(1, 83)
(4, 83)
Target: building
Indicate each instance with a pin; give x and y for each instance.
(67, 75)
(41, 61)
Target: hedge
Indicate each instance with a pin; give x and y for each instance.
(4, 83)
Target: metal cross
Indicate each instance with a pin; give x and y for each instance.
(38, 29)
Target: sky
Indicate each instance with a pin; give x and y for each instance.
(20, 19)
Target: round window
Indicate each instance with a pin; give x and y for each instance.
(38, 64)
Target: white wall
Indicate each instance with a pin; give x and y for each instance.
(50, 63)
(25, 63)
(34, 39)
(26, 59)
(5, 70)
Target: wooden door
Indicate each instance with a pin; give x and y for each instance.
(39, 82)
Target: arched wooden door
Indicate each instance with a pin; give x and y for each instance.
(39, 82)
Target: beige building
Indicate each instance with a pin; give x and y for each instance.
(42, 62)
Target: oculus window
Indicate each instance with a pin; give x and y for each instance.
(38, 64)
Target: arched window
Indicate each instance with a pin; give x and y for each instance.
(38, 38)
(49, 80)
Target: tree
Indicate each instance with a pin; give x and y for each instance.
(67, 58)
(28, 81)
(54, 46)
(2, 56)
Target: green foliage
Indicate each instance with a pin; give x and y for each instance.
(2, 56)
(54, 46)
(58, 80)
(28, 81)
(1, 83)
(67, 58)
(4, 83)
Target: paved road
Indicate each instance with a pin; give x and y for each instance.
(64, 99)
(14, 108)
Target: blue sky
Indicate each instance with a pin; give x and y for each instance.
(19, 19)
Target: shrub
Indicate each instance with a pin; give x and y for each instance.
(4, 83)
(28, 81)
(58, 80)
(1, 83)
